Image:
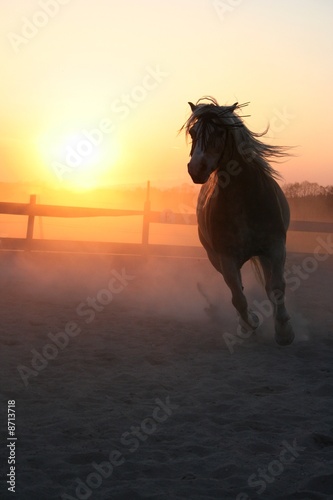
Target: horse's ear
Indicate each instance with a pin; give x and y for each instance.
(192, 106)
(234, 106)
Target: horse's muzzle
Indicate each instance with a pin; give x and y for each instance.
(198, 177)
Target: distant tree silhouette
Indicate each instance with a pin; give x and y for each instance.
(306, 188)
(309, 200)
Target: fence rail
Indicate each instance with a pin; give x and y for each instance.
(32, 210)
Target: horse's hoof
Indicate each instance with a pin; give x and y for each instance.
(251, 325)
(284, 334)
(254, 320)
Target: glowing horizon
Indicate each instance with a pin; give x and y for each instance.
(91, 97)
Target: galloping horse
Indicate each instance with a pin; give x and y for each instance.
(242, 212)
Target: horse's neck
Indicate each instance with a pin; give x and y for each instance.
(234, 188)
(232, 180)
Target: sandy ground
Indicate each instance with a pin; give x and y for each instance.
(147, 395)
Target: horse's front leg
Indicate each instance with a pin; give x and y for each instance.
(230, 271)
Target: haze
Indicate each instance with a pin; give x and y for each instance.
(93, 93)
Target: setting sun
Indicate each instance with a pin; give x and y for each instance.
(78, 87)
(79, 161)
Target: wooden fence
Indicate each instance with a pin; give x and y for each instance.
(32, 210)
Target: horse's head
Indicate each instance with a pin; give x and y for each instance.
(208, 127)
(219, 136)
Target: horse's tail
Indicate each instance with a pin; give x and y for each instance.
(257, 269)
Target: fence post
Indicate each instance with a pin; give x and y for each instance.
(145, 226)
(31, 218)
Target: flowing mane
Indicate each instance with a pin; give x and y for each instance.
(212, 118)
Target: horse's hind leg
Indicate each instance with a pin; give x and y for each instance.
(230, 271)
(273, 267)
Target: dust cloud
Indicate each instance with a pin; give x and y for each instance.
(183, 289)
(39, 285)
(186, 290)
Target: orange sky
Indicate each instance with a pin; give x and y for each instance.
(93, 92)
